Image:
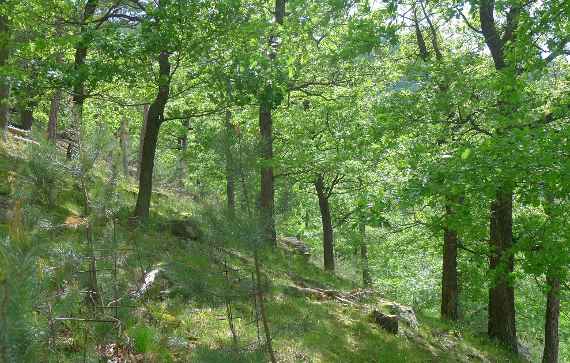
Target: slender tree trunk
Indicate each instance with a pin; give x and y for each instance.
(267, 193)
(502, 324)
(141, 139)
(124, 140)
(366, 279)
(267, 187)
(328, 240)
(4, 83)
(262, 310)
(420, 38)
(230, 167)
(551, 337)
(53, 116)
(155, 118)
(552, 315)
(79, 93)
(449, 284)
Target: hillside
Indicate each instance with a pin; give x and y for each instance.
(168, 291)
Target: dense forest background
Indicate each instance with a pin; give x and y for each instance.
(251, 180)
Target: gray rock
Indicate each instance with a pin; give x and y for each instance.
(405, 314)
(295, 244)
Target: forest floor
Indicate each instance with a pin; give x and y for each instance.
(175, 297)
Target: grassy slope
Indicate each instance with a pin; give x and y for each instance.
(187, 322)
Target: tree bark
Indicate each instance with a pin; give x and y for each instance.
(551, 337)
(328, 238)
(501, 323)
(366, 279)
(230, 167)
(26, 115)
(4, 83)
(267, 187)
(449, 284)
(155, 119)
(141, 139)
(53, 115)
(124, 140)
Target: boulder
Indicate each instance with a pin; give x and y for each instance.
(186, 228)
(296, 245)
(385, 321)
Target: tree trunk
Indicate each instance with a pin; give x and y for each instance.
(141, 139)
(79, 84)
(267, 192)
(501, 323)
(267, 187)
(262, 310)
(4, 84)
(53, 116)
(328, 240)
(230, 167)
(366, 279)
(551, 338)
(26, 115)
(124, 140)
(449, 284)
(155, 118)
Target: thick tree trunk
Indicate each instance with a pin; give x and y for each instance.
(551, 337)
(230, 167)
(366, 279)
(26, 115)
(124, 140)
(155, 118)
(53, 116)
(502, 324)
(449, 283)
(328, 240)
(267, 192)
(4, 84)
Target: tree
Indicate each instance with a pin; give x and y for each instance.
(4, 81)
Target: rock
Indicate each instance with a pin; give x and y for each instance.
(296, 245)
(385, 321)
(404, 313)
(187, 229)
(524, 351)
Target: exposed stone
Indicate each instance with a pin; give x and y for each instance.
(385, 321)
(524, 351)
(296, 245)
